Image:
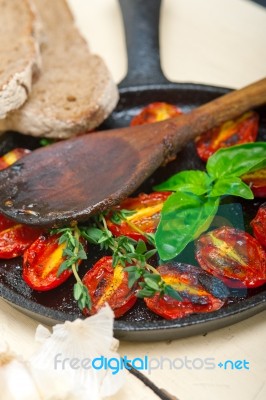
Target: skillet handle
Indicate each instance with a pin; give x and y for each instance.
(141, 22)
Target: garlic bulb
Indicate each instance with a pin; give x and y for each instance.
(16, 382)
(69, 352)
(77, 361)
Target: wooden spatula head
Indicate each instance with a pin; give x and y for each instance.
(70, 180)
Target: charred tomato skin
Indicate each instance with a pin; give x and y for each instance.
(5, 222)
(41, 262)
(146, 208)
(195, 298)
(108, 284)
(258, 225)
(155, 112)
(238, 131)
(12, 156)
(256, 180)
(232, 255)
(15, 238)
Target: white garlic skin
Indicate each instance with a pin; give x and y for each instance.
(16, 381)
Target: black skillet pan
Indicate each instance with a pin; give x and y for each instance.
(144, 84)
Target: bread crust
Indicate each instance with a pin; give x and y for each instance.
(75, 91)
(20, 61)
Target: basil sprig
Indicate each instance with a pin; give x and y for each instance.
(190, 210)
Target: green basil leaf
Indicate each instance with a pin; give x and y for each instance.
(258, 166)
(231, 186)
(183, 218)
(197, 182)
(236, 160)
(150, 237)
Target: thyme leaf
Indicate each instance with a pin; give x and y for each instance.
(73, 253)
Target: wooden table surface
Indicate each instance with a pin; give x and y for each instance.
(207, 41)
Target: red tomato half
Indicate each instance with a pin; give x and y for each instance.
(258, 225)
(155, 112)
(195, 299)
(12, 156)
(15, 238)
(241, 130)
(5, 222)
(108, 284)
(257, 182)
(41, 262)
(147, 208)
(232, 255)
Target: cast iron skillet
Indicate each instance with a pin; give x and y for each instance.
(144, 83)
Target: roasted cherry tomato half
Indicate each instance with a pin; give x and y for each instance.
(15, 238)
(146, 216)
(5, 222)
(12, 156)
(233, 256)
(257, 182)
(155, 112)
(108, 284)
(185, 280)
(258, 225)
(41, 262)
(240, 130)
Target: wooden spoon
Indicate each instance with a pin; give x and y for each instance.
(70, 180)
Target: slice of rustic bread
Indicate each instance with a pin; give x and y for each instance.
(19, 53)
(75, 91)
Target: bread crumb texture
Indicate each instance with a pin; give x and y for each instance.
(19, 53)
(75, 91)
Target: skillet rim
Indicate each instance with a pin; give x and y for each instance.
(161, 329)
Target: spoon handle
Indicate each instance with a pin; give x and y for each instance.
(174, 133)
(228, 106)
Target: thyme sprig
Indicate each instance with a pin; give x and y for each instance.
(74, 252)
(121, 215)
(131, 254)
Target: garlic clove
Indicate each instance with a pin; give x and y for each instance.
(16, 381)
(67, 354)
